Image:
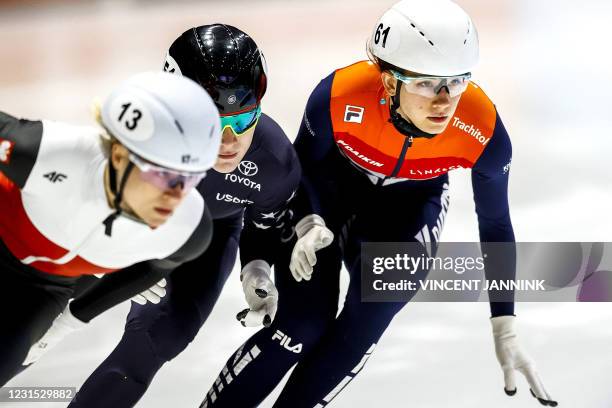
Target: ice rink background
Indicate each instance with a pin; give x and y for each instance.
(546, 65)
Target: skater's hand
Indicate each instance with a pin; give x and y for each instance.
(63, 325)
(153, 294)
(312, 236)
(260, 293)
(511, 357)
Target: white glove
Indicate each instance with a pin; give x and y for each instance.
(312, 236)
(63, 325)
(260, 293)
(153, 294)
(512, 357)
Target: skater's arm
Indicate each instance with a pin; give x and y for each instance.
(490, 184)
(19, 145)
(316, 150)
(266, 221)
(114, 288)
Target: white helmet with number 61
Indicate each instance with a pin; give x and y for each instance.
(431, 37)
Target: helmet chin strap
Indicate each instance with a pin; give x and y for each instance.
(402, 125)
(118, 193)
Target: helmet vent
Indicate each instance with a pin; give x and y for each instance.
(179, 127)
(422, 34)
(469, 30)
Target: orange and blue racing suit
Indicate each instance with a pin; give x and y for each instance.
(370, 183)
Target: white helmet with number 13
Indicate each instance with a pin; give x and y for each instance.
(166, 119)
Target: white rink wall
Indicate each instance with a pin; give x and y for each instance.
(544, 63)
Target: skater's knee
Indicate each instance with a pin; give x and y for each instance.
(112, 388)
(12, 355)
(170, 336)
(371, 314)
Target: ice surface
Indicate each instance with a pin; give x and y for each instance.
(545, 64)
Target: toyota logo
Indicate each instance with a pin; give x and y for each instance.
(248, 168)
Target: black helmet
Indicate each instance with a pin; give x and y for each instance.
(225, 61)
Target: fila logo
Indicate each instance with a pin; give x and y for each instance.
(353, 114)
(6, 148)
(285, 340)
(54, 177)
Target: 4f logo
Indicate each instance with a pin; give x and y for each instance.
(285, 341)
(6, 148)
(353, 114)
(54, 177)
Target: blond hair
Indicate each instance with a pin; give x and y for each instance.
(106, 139)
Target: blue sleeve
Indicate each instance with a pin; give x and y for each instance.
(264, 222)
(315, 147)
(490, 184)
(265, 219)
